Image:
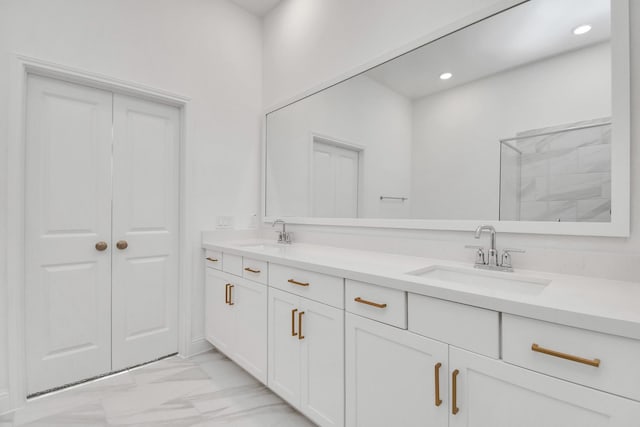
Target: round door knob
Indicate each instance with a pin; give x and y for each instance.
(101, 246)
(122, 244)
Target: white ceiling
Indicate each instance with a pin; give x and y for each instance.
(527, 33)
(257, 7)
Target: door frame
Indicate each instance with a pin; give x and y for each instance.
(21, 67)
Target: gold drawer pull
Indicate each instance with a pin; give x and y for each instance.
(295, 282)
(230, 288)
(300, 336)
(437, 376)
(374, 304)
(454, 392)
(293, 322)
(212, 259)
(591, 362)
(251, 270)
(226, 293)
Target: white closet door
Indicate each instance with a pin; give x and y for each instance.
(68, 208)
(335, 181)
(145, 216)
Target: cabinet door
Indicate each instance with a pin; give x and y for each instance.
(322, 353)
(390, 376)
(493, 393)
(284, 348)
(218, 314)
(250, 307)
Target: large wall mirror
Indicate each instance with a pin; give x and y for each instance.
(520, 120)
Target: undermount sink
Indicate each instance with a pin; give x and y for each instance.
(492, 281)
(264, 247)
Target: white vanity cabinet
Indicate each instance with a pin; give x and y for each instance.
(493, 393)
(393, 377)
(306, 356)
(486, 391)
(349, 353)
(235, 313)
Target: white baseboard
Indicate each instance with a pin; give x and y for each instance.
(5, 402)
(197, 346)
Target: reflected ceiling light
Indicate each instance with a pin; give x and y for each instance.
(582, 29)
(445, 76)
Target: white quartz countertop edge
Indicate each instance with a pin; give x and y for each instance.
(602, 305)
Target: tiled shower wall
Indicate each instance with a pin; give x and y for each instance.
(563, 176)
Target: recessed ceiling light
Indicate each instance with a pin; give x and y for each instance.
(445, 76)
(582, 29)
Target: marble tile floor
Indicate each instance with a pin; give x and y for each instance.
(202, 391)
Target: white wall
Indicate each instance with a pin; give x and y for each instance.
(456, 132)
(300, 52)
(208, 50)
(307, 42)
(361, 112)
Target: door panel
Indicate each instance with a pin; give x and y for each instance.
(68, 207)
(334, 181)
(250, 315)
(219, 315)
(494, 393)
(322, 355)
(346, 184)
(372, 355)
(323, 184)
(145, 215)
(284, 349)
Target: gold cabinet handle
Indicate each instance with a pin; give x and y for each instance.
(293, 322)
(226, 293)
(374, 304)
(212, 259)
(101, 246)
(251, 270)
(437, 381)
(295, 282)
(300, 336)
(454, 392)
(591, 362)
(122, 244)
(231, 287)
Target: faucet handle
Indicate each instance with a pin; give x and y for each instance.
(480, 260)
(505, 258)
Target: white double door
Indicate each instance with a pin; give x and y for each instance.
(101, 232)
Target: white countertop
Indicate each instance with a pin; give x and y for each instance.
(602, 305)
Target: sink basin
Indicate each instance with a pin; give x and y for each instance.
(264, 247)
(486, 280)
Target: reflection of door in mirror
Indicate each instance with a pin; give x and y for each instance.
(334, 180)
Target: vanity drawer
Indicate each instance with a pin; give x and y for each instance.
(255, 270)
(376, 302)
(618, 371)
(213, 259)
(471, 328)
(232, 264)
(316, 286)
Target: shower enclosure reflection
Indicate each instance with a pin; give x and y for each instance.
(558, 174)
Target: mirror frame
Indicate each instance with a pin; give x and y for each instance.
(620, 147)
